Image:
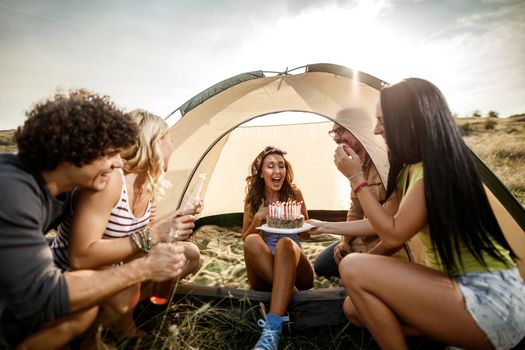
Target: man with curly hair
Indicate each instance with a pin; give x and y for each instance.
(72, 141)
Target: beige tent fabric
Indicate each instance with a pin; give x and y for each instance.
(512, 231)
(310, 151)
(317, 92)
(209, 139)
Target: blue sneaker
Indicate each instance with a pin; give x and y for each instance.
(271, 332)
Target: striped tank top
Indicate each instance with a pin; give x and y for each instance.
(122, 223)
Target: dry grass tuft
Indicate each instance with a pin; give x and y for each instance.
(184, 325)
(504, 153)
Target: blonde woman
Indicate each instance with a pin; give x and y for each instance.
(107, 227)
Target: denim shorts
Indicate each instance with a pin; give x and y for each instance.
(496, 301)
(271, 240)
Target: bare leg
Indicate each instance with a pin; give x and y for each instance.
(121, 305)
(116, 312)
(290, 268)
(193, 256)
(58, 334)
(304, 278)
(387, 292)
(126, 327)
(259, 263)
(351, 313)
(353, 317)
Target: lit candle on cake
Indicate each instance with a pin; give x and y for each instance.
(285, 215)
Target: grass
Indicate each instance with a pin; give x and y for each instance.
(502, 148)
(184, 325)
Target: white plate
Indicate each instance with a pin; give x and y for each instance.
(285, 231)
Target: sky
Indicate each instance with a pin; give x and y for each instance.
(158, 54)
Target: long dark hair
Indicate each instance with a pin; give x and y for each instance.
(419, 127)
(255, 184)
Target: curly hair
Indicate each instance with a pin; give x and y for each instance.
(78, 128)
(255, 184)
(145, 155)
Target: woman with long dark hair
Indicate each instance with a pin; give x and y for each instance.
(274, 262)
(472, 294)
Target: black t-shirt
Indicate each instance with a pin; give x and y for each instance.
(32, 290)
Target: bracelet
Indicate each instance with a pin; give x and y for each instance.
(350, 178)
(146, 240)
(360, 185)
(135, 240)
(142, 240)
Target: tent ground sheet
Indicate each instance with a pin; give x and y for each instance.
(222, 259)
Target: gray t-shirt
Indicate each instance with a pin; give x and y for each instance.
(32, 290)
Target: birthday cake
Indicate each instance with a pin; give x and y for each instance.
(285, 215)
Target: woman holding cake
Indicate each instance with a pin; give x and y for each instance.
(274, 261)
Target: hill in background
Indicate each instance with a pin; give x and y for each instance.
(500, 142)
(501, 145)
(6, 141)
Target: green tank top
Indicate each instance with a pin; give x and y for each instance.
(470, 264)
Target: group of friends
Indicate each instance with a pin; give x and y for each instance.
(468, 293)
(95, 174)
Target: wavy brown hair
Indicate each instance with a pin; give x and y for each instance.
(78, 127)
(255, 184)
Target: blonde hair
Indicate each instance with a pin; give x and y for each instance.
(145, 156)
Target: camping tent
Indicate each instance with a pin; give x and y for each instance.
(210, 137)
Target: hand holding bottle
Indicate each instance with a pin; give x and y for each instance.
(184, 220)
(183, 227)
(179, 227)
(165, 261)
(194, 203)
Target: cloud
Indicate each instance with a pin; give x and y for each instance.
(156, 55)
(487, 49)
